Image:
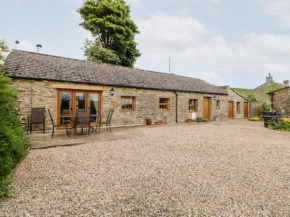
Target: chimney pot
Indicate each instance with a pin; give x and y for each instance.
(269, 79)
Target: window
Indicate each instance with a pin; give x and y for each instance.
(238, 107)
(128, 103)
(163, 103)
(192, 105)
(218, 104)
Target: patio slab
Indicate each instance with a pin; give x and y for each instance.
(42, 141)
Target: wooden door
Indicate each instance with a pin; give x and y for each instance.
(246, 109)
(231, 109)
(64, 106)
(94, 103)
(70, 100)
(206, 108)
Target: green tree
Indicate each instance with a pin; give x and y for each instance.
(95, 52)
(13, 142)
(110, 23)
(272, 86)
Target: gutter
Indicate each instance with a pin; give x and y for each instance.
(114, 85)
(176, 110)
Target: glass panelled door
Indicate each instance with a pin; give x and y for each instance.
(80, 100)
(94, 105)
(65, 107)
(70, 100)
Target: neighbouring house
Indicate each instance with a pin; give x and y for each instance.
(238, 107)
(63, 85)
(259, 95)
(281, 101)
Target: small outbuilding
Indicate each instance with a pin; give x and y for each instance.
(280, 101)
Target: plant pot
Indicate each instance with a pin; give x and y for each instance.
(159, 122)
(198, 119)
(189, 121)
(149, 121)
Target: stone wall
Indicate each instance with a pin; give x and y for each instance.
(44, 94)
(234, 97)
(282, 103)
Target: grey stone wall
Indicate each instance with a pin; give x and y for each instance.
(234, 97)
(282, 103)
(43, 94)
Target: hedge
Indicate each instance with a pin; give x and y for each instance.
(14, 144)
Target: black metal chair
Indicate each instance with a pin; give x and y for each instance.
(82, 120)
(56, 125)
(108, 121)
(37, 117)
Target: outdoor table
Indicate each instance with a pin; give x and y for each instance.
(63, 117)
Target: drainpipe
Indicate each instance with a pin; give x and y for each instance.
(272, 100)
(176, 106)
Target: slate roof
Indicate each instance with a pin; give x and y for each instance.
(23, 64)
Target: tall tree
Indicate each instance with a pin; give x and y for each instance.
(110, 23)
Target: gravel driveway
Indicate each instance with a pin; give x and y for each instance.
(235, 168)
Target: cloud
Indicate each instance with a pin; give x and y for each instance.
(277, 8)
(200, 51)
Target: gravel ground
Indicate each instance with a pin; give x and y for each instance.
(181, 170)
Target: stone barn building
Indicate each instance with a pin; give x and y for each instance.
(281, 101)
(63, 85)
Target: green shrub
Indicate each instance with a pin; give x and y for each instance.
(14, 144)
(279, 125)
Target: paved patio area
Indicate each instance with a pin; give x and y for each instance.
(231, 168)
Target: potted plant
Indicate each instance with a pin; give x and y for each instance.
(189, 121)
(148, 121)
(159, 122)
(199, 119)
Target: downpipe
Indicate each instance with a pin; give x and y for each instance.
(176, 106)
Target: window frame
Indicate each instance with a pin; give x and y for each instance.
(238, 107)
(218, 104)
(162, 104)
(133, 103)
(195, 104)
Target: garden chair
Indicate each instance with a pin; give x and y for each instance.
(37, 117)
(82, 120)
(56, 125)
(108, 121)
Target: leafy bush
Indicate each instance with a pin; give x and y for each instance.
(282, 124)
(264, 107)
(14, 144)
(256, 119)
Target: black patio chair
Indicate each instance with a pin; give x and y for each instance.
(82, 120)
(108, 121)
(37, 117)
(66, 122)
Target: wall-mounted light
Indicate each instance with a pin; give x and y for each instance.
(112, 91)
(214, 98)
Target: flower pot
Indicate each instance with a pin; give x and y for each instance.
(149, 121)
(159, 122)
(198, 119)
(189, 121)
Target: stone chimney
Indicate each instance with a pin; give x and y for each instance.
(269, 78)
(286, 83)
